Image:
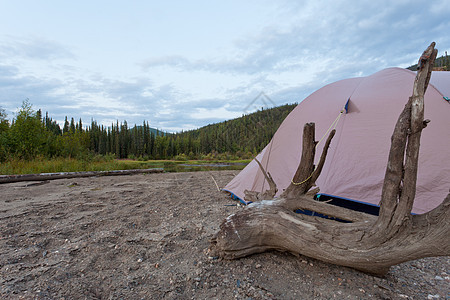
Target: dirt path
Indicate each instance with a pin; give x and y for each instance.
(145, 236)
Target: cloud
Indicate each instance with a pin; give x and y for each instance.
(220, 113)
(170, 60)
(105, 100)
(325, 34)
(35, 48)
(14, 88)
(7, 71)
(303, 46)
(439, 8)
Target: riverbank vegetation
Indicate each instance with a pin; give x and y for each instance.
(34, 143)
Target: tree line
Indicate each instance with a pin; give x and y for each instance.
(30, 134)
(442, 63)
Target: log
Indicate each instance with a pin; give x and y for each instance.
(65, 175)
(364, 242)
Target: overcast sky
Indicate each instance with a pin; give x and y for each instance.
(185, 64)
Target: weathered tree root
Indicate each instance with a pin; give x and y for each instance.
(348, 238)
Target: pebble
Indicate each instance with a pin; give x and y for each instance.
(438, 277)
(258, 266)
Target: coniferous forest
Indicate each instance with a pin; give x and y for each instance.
(32, 134)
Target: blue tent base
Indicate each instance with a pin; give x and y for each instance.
(356, 205)
(234, 197)
(316, 214)
(365, 207)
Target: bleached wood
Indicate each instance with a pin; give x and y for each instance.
(370, 244)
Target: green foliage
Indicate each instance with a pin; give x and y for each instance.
(30, 136)
(27, 135)
(4, 124)
(65, 164)
(4, 127)
(66, 126)
(104, 163)
(242, 137)
(181, 157)
(73, 144)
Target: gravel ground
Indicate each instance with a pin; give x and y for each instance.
(146, 237)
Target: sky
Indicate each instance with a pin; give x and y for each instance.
(182, 65)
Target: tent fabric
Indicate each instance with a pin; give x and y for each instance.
(358, 153)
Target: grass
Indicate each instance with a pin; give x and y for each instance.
(42, 165)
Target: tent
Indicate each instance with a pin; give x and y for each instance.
(363, 111)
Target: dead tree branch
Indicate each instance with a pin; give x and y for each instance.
(349, 238)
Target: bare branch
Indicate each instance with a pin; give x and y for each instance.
(270, 193)
(399, 186)
(323, 157)
(299, 185)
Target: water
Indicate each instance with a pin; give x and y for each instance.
(173, 167)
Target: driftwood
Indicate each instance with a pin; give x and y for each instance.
(368, 243)
(65, 175)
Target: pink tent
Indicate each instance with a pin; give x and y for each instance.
(358, 154)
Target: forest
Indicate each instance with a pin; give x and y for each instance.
(31, 134)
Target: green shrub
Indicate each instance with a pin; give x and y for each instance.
(181, 157)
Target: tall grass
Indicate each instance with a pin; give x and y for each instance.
(41, 165)
(96, 163)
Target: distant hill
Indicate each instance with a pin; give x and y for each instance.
(154, 131)
(441, 64)
(249, 133)
(242, 137)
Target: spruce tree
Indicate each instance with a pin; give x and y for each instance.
(66, 126)
(72, 127)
